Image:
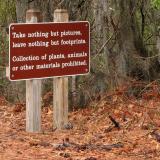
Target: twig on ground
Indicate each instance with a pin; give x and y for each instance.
(116, 124)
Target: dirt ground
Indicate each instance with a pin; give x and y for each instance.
(113, 128)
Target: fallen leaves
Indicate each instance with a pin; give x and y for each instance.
(19, 107)
(91, 158)
(39, 143)
(116, 128)
(65, 155)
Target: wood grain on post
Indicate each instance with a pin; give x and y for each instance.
(7, 72)
(33, 88)
(60, 85)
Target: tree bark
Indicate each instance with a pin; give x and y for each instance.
(125, 38)
(21, 7)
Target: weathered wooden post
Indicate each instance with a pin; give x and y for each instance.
(60, 92)
(33, 88)
(69, 55)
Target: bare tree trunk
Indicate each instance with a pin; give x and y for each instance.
(21, 7)
(158, 47)
(101, 14)
(125, 41)
(18, 87)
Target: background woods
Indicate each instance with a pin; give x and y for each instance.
(125, 44)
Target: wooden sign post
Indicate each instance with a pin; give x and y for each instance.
(60, 85)
(43, 50)
(33, 88)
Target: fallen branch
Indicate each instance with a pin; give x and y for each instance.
(82, 147)
(99, 147)
(102, 47)
(116, 124)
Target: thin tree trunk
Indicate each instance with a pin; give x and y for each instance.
(158, 47)
(101, 15)
(21, 7)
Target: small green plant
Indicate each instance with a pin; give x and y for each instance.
(7, 12)
(156, 4)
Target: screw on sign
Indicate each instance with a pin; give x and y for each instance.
(49, 49)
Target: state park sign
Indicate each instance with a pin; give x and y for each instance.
(42, 50)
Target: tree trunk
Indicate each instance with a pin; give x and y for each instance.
(101, 14)
(125, 40)
(158, 47)
(21, 7)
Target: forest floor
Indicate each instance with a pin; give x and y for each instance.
(115, 126)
